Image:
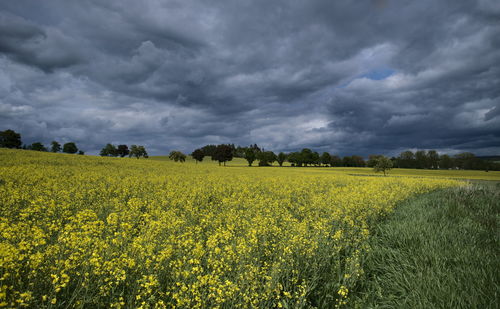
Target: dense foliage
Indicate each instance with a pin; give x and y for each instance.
(10, 139)
(177, 156)
(70, 148)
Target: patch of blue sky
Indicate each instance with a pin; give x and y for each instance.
(379, 74)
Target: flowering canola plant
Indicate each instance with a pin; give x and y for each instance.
(81, 231)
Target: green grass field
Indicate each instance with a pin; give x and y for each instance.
(437, 250)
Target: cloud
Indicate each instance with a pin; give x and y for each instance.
(44, 48)
(340, 76)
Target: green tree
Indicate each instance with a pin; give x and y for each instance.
(81, 152)
(239, 152)
(10, 139)
(138, 151)
(177, 156)
(70, 148)
(465, 160)
(109, 151)
(209, 150)
(56, 147)
(406, 159)
(315, 158)
(38, 147)
(445, 162)
(294, 159)
(250, 156)
(372, 160)
(383, 164)
(347, 161)
(421, 159)
(198, 155)
(223, 153)
(353, 161)
(358, 161)
(281, 157)
(266, 158)
(335, 161)
(122, 150)
(306, 156)
(326, 158)
(432, 159)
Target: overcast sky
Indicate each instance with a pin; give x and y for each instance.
(348, 77)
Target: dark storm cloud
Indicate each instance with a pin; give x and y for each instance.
(29, 44)
(342, 76)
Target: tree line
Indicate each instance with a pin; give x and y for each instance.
(135, 151)
(420, 159)
(12, 139)
(306, 157)
(222, 153)
(430, 159)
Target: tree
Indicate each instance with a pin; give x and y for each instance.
(421, 159)
(281, 158)
(209, 150)
(70, 148)
(256, 148)
(250, 156)
(239, 152)
(10, 139)
(445, 161)
(326, 158)
(307, 156)
(465, 160)
(81, 152)
(109, 151)
(383, 164)
(347, 161)
(406, 159)
(38, 147)
(294, 158)
(56, 147)
(266, 158)
(122, 150)
(372, 160)
(198, 155)
(335, 161)
(358, 161)
(353, 161)
(315, 158)
(223, 153)
(177, 156)
(304, 157)
(432, 159)
(138, 151)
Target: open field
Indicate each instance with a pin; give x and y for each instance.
(90, 231)
(407, 172)
(437, 250)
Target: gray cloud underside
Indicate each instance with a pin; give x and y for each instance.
(283, 74)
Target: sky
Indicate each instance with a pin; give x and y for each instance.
(347, 77)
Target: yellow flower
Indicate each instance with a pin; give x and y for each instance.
(182, 235)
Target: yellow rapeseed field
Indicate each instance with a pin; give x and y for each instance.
(81, 231)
